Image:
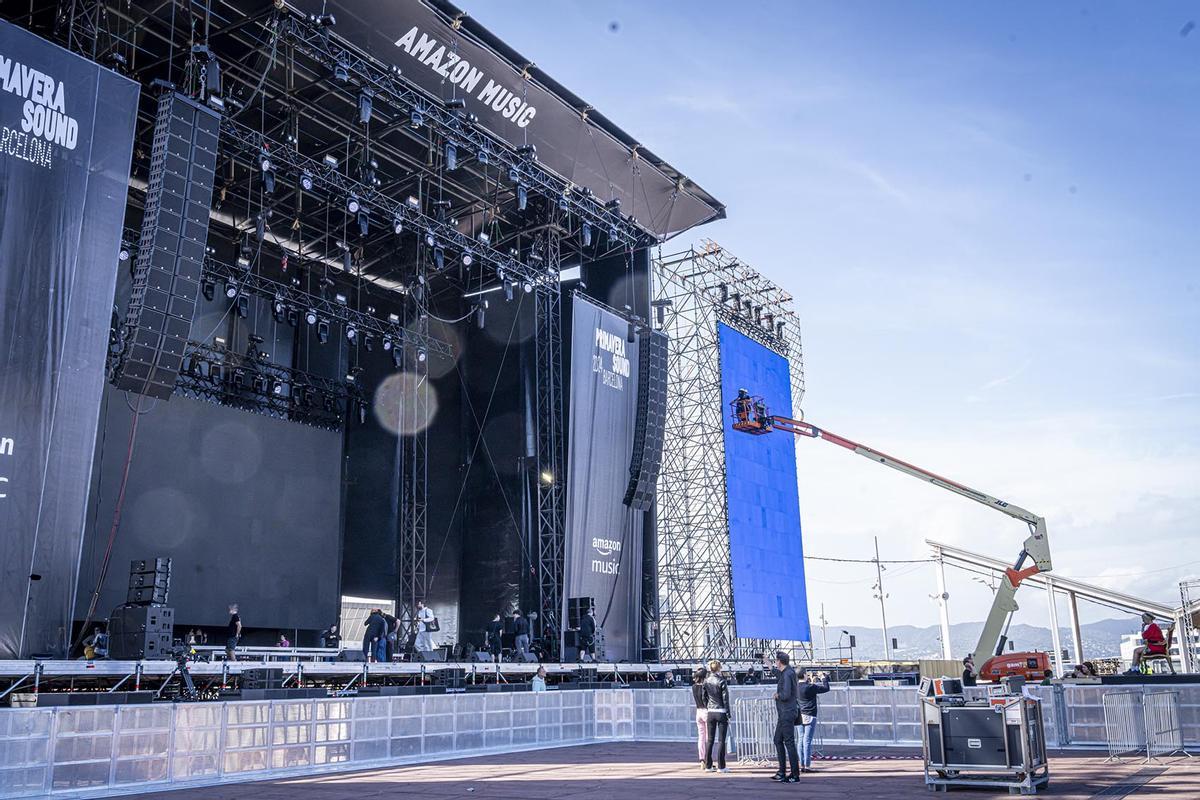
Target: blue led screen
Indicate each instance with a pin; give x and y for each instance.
(765, 548)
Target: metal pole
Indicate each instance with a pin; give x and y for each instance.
(1054, 638)
(1076, 637)
(943, 606)
(824, 634)
(887, 643)
(1181, 639)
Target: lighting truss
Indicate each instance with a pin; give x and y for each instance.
(326, 309)
(288, 161)
(220, 375)
(317, 43)
(696, 612)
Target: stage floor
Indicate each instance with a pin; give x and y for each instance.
(667, 771)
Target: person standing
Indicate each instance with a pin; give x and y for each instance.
(521, 637)
(701, 699)
(424, 618)
(786, 708)
(969, 675)
(587, 636)
(233, 632)
(392, 635)
(492, 637)
(716, 691)
(538, 682)
(375, 637)
(808, 715)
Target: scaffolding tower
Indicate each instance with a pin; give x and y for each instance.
(704, 285)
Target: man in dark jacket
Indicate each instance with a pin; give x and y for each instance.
(375, 637)
(587, 637)
(786, 699)
(521, 637)
(491, 642)
(807, 720)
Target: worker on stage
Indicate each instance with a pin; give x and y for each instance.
(1155, 642)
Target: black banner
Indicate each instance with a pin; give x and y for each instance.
(603, 554)
(66, 135)
(522, 105)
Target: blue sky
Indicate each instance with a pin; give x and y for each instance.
(988, 216)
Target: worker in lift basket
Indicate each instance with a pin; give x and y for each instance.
(1155, 642)
(742, 406)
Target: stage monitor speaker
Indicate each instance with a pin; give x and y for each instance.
(577, 608)
(138, 619)
(166, 276)
(652, 412)
(136, 646)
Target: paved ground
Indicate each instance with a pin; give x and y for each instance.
(659, 771)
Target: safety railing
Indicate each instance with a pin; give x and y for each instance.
(1164, 733)
(1124, 726)
(753, 730)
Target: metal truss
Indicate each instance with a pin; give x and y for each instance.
(551, 526)
(413, 449)
(454, 126)
(249, 382)
(705, 285)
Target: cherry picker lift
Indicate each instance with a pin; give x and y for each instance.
(751, 416)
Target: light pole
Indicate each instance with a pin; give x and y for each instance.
(887, 643)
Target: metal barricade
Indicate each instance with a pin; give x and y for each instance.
(753, 730)
(1124, 725)
(1164, 734)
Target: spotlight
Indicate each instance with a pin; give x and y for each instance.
(387, 343)
(277, 388)
(394, 319)
(451, 156)
(614, 204)
(514, 175)
(527, 151)
(123, 255)
(330, 160)
(364, 105)
(456, 103)
(208, 288)
(421, 354)
(341, 298)
(310, 317)
(322, 20)
(563, 205)
(306, 181)
(323, 331)
(264, 162)
(430, 239)
(351, 332)
(352, 204)
(397, 226)
(341, 73)
(368, 342)
(528, 286)
(483, 157)
(587, 235)
(279, 309)
(413, 202)
(484, 239)
(353, 374)
(467, 258)
(231, 289)
(522, 197)
(293, 318)
(415, 118)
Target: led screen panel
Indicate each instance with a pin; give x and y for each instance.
(765, 549)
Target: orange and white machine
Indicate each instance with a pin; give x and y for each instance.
(751, 416)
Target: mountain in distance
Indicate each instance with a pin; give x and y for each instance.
(1100, 639)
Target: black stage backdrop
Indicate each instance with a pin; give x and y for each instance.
(447, 63)
(246, 506)
(62, 202)
(603, 557)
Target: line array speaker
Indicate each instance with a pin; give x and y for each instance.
(166, 278)
(652, 410)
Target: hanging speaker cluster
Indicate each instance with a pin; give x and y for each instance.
(648, 432)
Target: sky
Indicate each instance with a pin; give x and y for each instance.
(987, 214)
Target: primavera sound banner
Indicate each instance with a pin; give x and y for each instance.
(604, 536)
(66, 136)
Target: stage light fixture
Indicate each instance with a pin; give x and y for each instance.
(352, 375)
(323, 331)
(484, 239)
(387, 343)
(330, 160)
(341, 72)
(231, 289)
(415, 118)
(364, 223)
(322, 20)
(243, 306)
(456, 103)
(310, 317)
(483, 157)
(269, 182)
(612, 233)
(260, 227)
(365, 105)
(413, 202)
(306, 181)
(421, 354)
(587, 235)
(341, 298)
(522, 197)
(508, 291)
(123, 254)
(547, 477)
(563, 205)
(394, 319)
(439, 259)
(527, 151)
(631, 333)
(480, 311)
(293, 318)
(368, 342)
(208, 288)
(351, 332)
(514, 175)
(397, 226)
(528, 286)
(352, 204)
(430, 239)
(277, 388)
(614, 204)
(451, 156)
(467, 258)
(280, 309)
(397, 357)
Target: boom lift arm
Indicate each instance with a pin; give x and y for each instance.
(750, 416)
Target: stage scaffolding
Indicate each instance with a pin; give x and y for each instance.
(706, 285)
